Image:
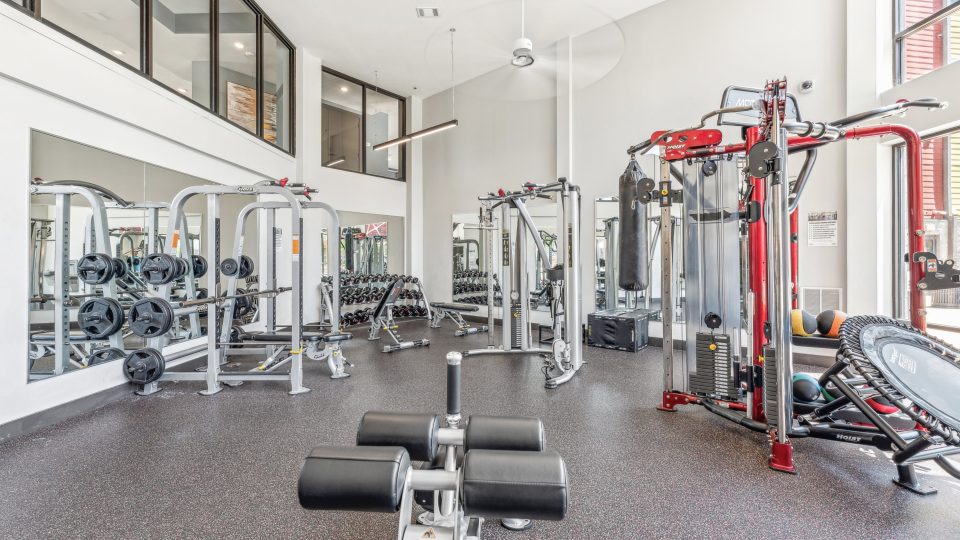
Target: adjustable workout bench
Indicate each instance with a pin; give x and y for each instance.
(316, 349)
(382, 319)
(453, 310)
(496, 467)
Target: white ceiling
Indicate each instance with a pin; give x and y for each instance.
(412, 55)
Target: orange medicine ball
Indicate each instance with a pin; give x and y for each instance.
(828, 322)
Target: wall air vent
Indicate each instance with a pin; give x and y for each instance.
(428, 12)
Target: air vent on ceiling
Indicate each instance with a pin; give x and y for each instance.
(428, 12)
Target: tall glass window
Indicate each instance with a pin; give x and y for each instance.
(112, 26)
(238, 64)
(941, 212)
(277, 93)
(181, 47)
(927, 38)
(341, 119)
(383, 123)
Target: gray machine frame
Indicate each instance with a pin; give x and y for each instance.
(565, 357)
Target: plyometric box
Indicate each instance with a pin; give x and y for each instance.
(620, 329)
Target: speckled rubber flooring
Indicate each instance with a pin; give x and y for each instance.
(180, 465)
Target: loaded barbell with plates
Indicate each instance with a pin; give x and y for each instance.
(159, 269)
(95, 268)
(200, 266)
(150, 317)
(119, 268)
(144, 366)
(100, 318)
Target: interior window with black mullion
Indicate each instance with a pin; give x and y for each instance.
(341, 117)
(181, 47)
(113, 27)
(237, 92)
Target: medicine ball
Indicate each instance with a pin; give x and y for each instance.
(805, 388)
(803, 322)
(828, 322)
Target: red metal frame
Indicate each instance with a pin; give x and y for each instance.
(781, 454)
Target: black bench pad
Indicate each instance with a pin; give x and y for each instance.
(514, 485)
(365, 478)
(455, 306)
(285, 337)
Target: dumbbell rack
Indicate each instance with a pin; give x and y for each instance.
(364, 291)
(471, 288)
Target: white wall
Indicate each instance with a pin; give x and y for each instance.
(53, 84)
(499, 143)
(677, 59)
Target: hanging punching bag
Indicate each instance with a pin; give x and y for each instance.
(633, 231)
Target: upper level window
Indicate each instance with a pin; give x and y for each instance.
(224, 55)
(113, 27)
(356, 116)
(927, 36)
(181, 47)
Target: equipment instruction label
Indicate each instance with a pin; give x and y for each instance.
(822, 229)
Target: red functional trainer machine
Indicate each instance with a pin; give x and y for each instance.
(738, 211)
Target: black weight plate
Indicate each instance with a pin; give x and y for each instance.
(246, 267)
(200, 266)
(101, 356)
(181, 267)
(159, 269)
(100, 318)
(119, 267)
(95, 268)
(229, 267)
(150, 317)
(143, 366)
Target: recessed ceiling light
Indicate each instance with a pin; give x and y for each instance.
(344, 89)
(238, 44)
(248, 53)
(117, 52)
(97, 15)
(428, 12)
(182, 90)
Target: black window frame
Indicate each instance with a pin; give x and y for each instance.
(900, 34)
(363, 125)
(34, 8)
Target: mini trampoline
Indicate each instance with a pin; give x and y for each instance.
(918, 374)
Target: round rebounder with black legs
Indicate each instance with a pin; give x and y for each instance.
(916, 373)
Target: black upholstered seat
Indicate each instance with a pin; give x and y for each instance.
(364, 478)
(515, 485)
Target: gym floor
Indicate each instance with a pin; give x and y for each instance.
(180, 465)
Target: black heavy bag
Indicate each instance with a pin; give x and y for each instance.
(633, 232)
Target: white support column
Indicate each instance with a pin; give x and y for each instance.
(869, 282)
(413, 226)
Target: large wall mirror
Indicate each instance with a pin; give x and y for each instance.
(135, 197)
(609, 295)
(371, 243)
(470, 256)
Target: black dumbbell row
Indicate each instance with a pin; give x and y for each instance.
(469, 274)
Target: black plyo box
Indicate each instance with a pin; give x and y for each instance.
(620, 329)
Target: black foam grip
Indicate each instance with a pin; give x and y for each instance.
(414, 431)
(633, 232)
(365, 479)
(504, 433)
(514, 485)
(453, 388)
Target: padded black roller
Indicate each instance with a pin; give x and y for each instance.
(514, 485)
(504, 433)
(414, 431)
(364, 479)
(633, 232)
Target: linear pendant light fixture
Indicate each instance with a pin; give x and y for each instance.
(449, 124)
